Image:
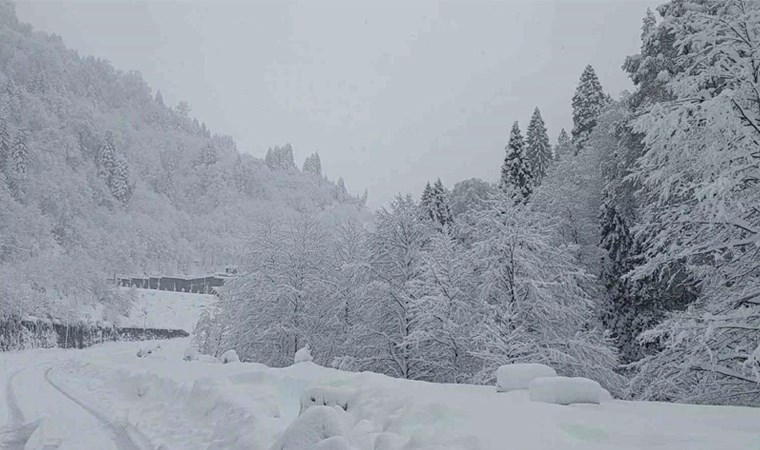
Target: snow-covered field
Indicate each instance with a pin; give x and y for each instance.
(107, 397)
(166, 309)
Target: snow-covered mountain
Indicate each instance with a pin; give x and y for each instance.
(100, 178)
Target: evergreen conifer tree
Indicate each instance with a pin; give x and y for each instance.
(588, 101)
(106, 159)
(313, 164)
(516, 176)
(564, 146)
(5, 146)
(19, 159)
(119, 185)
(426, 201)
(438, 208)
(539, 151)
(209, 155)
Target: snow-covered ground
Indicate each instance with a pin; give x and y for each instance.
(107, 397)
(166, 309)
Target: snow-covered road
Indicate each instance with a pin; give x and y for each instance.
(40, 411)
(107, 398)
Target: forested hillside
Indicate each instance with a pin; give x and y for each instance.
(99, 177)
(627, 253)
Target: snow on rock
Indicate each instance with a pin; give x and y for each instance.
(315, 425)
(325, 396)
(303, 355)
(511, 377)
(230, 356)
(565, 390)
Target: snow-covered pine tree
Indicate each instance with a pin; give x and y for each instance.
(19, 157)
(657, 62)
(435, 203)
(564, 147)
(312, 164)
(119, 185)
(538, 148)
(5, 146)
(159, 98)
(516, 176)
(342, 192)
(426, 200)
(441, 205)
(106, 159)
(209, 154)
(587, 103)
(700, 174)
(619, 309)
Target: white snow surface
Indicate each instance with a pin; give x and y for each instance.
(565, 390)
(510, 377)
(167, 309)
(113, 399)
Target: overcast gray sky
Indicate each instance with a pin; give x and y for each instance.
(390, 94)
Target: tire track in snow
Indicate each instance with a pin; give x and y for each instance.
(14, 412)
(17, 433)
(124, 437)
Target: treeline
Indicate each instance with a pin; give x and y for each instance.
(626, 253)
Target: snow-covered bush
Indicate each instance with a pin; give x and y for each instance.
(566, 391)
(190, 354)
(303, 355)
(510, 377)
(230, 356)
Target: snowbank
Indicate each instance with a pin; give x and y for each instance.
(566, 391)
(315, 425)
(325, 396)
(512, 377)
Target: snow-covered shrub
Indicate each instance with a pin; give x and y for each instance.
(230, 356)
(190, 354)
(303, 355)
(325, 396)
(566, 391)
(510, 377)
(313, 426)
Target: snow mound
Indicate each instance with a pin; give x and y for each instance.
(230, 356)
(513, 377)
(565, 391)
(190, 354)
(333, 443)
(303, 355)
(47, 435)
(325, 396)
(315, 425)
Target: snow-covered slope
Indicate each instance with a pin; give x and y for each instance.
(165, 309)
(200, 405)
